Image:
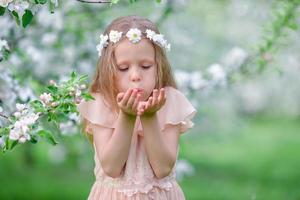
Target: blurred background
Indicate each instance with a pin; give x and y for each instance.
(245, 86)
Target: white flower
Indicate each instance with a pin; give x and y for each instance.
(30, 119)
(3, 44)
(115, 36)
(150, 34)
(20, 106)
(19, 132)
(17, 114)
(159, 38)
(78, 93)
(2, 142)
(19, 7)
(1, 109)
(103, 43)
(134, 35)
(217, 72)
(46, 97)
(83, 86)
(4, 3)
(235, 58)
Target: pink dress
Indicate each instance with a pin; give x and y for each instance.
(137, 181)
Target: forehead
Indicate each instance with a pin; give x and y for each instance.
(126, 51)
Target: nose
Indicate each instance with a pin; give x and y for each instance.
(135, 75)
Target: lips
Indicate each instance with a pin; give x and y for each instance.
(139, 90)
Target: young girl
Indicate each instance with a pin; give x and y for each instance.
(137, 116)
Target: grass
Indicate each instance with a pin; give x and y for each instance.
(257, 161)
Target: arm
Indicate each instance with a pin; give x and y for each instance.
(161, 146)
(112, 145)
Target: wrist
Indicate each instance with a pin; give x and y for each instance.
(127, 115)
(148, 115)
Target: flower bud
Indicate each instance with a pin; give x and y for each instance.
(83, 86)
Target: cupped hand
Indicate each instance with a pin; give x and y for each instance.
(128, 101)
(153, 104)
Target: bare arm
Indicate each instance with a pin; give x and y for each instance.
(161, 147)
(112, 145)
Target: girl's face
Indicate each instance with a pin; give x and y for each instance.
(136, 67)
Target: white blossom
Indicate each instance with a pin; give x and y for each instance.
(150, 34)
(235, 58)
(115, 36)
(183, 168)
(4, 3)
(46, 97)
(1, 109)
(103, 43)
(217, 72)
(19, 132)
(83, 86)
(3, 44)
(20, 107)
(18, 6)
(134, 35)
(17, 114)
(78, 93)
(30, 119)
(197, 81)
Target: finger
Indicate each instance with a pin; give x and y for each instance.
(150, 101)
(126, 97)
(161, 95)
(136, 102)
(120, 96)
(155, 95)
(132, 98)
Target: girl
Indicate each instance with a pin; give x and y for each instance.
(137, 116)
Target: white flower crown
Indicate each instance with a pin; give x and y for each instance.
(134, 35)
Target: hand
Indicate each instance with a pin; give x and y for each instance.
(154, 103)
(128, 102)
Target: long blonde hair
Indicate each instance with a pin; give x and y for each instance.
(104, 79)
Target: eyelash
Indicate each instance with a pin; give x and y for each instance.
(144, 67)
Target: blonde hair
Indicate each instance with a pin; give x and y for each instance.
(104, 79)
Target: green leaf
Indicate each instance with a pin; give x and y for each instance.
(73, 75)
(48, 136)
(51, 6)
(158, 1)
(2, 10)
(27, 18)
(12, 144)
(33, 139)
(41, 1)
(87, 96)
(16, 16)
(52, 89)
(83, 78)
(38, 106)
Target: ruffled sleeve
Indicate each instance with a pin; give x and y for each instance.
(177, 110)
(97, 112)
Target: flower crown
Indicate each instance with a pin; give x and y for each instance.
(134, 35)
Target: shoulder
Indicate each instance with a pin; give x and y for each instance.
(97, 111)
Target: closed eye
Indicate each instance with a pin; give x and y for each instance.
(146, 66)
(123, 69)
